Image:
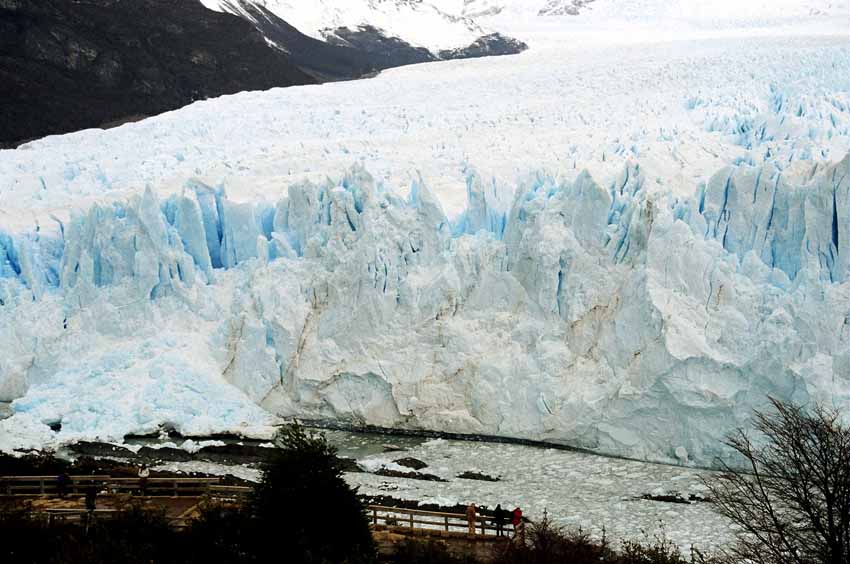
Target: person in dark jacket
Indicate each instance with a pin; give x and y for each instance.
(91, 497)
(144, 474)
(62, 481)
(499, 518)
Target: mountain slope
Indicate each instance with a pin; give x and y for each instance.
(343, 56)
(403, 30)
(415, 21)
(482, 8)
(67, 65)
(70, 65)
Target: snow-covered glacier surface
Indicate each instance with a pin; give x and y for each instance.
(617, 248)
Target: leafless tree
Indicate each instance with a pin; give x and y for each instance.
(792, 500)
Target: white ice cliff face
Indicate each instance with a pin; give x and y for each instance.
(606, 317)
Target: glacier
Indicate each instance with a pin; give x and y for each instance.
(622, 240)
(604, 316)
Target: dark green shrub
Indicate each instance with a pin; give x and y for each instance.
(546, 543)
(134, 536)
(660, 550)
(220, 534)
(426, 552)
(304, 504)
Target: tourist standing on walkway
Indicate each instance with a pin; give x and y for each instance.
(62, 481)
(144, 473)
(470, 517)
(499, 517)
(519, 526)
(91, 497)
(91, 502)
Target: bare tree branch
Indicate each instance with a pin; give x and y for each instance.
(792, 497)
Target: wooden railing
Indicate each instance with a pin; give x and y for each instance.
(396, 517)
(232, 493)
(44, 485)
(172, 487)
(390, 517)
(77, 515)
(87, 517)
(383, 516)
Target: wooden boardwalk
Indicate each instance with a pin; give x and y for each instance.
(180, 498)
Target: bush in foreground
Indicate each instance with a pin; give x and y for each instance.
(546, 543)
(134, 536)
(426, 552)
(302, 511)
(304, 504)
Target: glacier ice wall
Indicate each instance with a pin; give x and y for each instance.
(602, 316)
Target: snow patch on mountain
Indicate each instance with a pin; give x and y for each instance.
(418, 22)
(650, 10)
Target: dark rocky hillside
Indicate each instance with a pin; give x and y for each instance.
(486, 46)
(336, 59)
(350, 53)
(68, 65)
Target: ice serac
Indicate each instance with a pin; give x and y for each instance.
(784, 223)
(594, 314)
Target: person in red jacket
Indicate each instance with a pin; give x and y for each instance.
(519, 526)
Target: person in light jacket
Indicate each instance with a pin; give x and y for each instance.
(470, 517)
